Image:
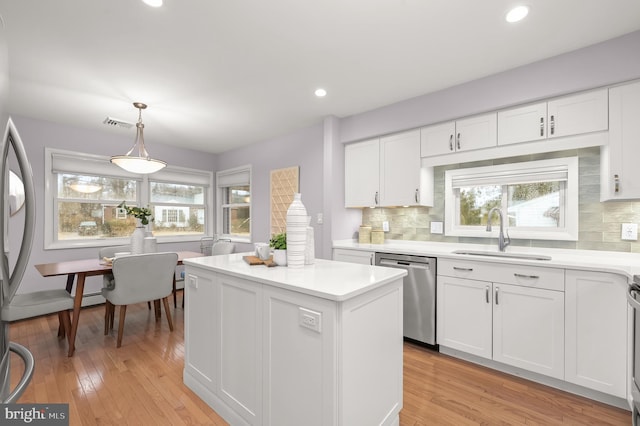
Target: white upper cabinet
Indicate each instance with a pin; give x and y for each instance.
(460, 135)
(619, 171)
(362, 174)
(526, 123)
(387, 172)
(566, 116)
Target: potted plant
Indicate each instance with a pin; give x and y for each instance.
(143, 214)
(278, 243)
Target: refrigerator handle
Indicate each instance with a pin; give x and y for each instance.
(10, 285)
(27, 357)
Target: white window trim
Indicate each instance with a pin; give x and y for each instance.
(219, 216)
(568, 233)
(174, 173)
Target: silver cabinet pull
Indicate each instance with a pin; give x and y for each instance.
(417, 195)
(376, 198)
(457, 268)
(497, 291)
(553, 125)
(541, 126)
(616, 183)
(486, 294)
(533, 277)
(458, 141)
(451, 142)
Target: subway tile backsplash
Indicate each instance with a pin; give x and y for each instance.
(600, 223)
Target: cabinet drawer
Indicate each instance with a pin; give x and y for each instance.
(523, 275)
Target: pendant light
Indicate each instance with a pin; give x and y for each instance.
(142, 164)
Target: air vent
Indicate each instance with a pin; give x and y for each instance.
(114, 122)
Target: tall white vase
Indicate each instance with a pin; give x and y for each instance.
(296, 232)
(310, 251)
(137, 240)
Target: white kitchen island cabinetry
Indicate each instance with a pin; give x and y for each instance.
(619, 171)
(321, 345)
(507, 313)
(566, 116)
(596, 331)
(461, 135)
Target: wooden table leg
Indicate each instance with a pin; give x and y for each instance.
(77, 304)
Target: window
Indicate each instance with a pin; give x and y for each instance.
(83, 193)
(234, 204)
(538, 199)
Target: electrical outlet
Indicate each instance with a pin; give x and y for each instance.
(320, 219)
(310, 319)
(629, 231)
(436, 228)
(385, 226)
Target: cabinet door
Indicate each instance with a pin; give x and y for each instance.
(200, 319)
(620, 179)
(477, 132)
(353, 256)
(437, 139)
(362, 173)
(583, 113)
(400, 169)
(522, 124)
(596, 331)
(464, 315)
(299, 362)
(240, 303)
(528, 328)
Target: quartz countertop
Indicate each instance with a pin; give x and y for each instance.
(627, 264)
(338, 281)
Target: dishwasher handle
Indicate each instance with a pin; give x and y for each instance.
(403, 264)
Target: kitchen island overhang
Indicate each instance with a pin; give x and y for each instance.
(315, 345)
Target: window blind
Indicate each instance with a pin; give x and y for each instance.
(512, 177)
(234, 177)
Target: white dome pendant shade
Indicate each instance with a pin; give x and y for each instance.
(142, 164)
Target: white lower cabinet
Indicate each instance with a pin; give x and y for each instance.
(596, 331)
(519, 324)
(353, 256)
(263, 355)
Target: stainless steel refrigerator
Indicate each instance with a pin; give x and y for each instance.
(10, 278)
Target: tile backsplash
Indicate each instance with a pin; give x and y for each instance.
(600, 223)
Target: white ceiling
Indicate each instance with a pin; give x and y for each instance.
(220, 74)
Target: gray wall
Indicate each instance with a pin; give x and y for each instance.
(598, 65)
(36, 135)
(303, 148)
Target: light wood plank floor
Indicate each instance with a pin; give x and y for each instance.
(141, 382)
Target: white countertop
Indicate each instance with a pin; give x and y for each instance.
(338, 281)
(627, 264)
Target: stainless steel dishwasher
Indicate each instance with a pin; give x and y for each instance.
(419, 289)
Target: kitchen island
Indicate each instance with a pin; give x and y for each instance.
(318, 345)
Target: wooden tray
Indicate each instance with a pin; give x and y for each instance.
(255, 260)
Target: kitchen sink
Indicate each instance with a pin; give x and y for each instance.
(503, 254)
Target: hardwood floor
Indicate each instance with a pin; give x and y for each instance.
(141, 382)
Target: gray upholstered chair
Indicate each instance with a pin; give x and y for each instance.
(219, 247)
(139, 278)
(28, 305)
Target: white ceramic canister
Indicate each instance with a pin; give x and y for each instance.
(137, 240)
(310, 251)
(297, 220)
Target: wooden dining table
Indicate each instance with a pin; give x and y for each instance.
(82, 269)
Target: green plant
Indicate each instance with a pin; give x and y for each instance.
(142, 213)
(278, 241)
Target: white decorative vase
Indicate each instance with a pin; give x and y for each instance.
(280, 257)
(296, 232)
(150, 245)
(310, 252)
(137, 240)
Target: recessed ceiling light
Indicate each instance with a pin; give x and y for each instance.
(321, 93)
(153, 3)
(517, 14)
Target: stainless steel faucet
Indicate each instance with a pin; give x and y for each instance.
(502, 242)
